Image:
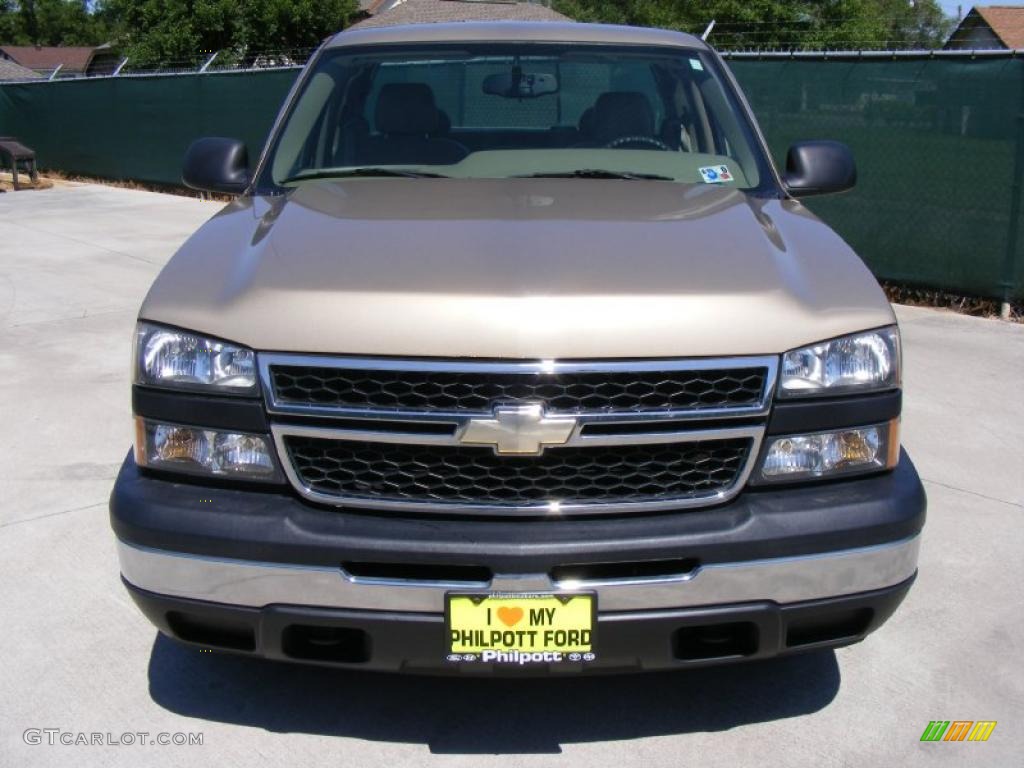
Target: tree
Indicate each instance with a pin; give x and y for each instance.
(269, 24)
(10, 29)
(786, 24)
(169, 32)
(919, 24)
(50, 22)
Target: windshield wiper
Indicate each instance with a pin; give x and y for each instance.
(595, 173)
(342, 173)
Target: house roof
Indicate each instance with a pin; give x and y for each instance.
(376, 6)
(41, 59)
(10, 70)
(440, 11)
(1005, 21)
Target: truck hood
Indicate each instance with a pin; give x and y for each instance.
(518, 268)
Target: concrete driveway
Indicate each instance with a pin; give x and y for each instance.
(76, 655)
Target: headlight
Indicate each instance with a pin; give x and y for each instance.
(165, 357)
(828, 454)
(859, 363)
(204, 451)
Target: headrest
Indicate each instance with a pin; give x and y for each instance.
(444, 123)
(406, 108)
(622, 113)
(586, 123)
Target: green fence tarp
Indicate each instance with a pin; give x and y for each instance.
(139, 127)
(936, 142)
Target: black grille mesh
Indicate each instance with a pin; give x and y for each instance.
(590, 392)
(627, 473)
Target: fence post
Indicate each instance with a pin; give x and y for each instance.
(1012, 231)
(208, 62)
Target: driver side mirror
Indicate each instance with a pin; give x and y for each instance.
(819, 168)
(216, 164)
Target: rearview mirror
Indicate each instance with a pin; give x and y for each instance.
(819, 168)
(216, 164)
(520, 85)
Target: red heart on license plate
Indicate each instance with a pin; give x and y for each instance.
(510, 616)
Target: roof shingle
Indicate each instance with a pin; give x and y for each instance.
(41, 59)
(1007, 21)
(10, 70)
(440, 11)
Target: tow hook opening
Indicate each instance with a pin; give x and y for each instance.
(829, 628)
(341, 645)
(715, 641)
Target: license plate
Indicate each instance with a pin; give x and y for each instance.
(520, 628)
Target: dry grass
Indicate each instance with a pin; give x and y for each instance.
(7, 182)
(965, 305)
(167, 189)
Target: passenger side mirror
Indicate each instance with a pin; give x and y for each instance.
(216, 164)
(819, 168)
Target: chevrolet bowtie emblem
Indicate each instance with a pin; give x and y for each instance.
(519, 429)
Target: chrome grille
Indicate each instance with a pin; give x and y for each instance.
(452, 474)
(517, 438)
(562, 392)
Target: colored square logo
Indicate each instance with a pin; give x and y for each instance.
(716, 174)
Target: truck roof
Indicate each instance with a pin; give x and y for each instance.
(514, 31)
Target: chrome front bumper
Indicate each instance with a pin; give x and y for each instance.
(781, 580)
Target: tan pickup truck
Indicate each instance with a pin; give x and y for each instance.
(515, 353)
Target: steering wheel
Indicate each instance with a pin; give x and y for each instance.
(622, 140)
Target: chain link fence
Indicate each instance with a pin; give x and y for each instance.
(937, 137)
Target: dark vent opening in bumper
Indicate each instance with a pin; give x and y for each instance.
(428, 572)
(829, 627)
(644, 569)
(212, 632)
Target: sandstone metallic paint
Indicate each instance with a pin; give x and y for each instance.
(517, 268)
(513, 31)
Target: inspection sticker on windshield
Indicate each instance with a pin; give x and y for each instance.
(715, 174)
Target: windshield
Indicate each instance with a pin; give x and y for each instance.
(508, 110)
